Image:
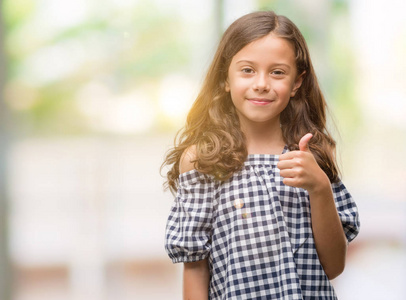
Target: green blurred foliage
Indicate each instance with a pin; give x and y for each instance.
(16, 12)
(125, 49)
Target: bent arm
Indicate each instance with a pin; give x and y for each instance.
(300, 169)
(196, 278)
(329, 237)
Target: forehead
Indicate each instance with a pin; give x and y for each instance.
(268, 48)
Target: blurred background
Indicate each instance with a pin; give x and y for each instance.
(92, 94)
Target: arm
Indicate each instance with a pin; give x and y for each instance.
(300, 169)
(196, 275)
(196, 278)
(329, 237)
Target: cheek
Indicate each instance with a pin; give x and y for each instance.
(241, 83)
(233, 97)
(237, 88)
(284, 88)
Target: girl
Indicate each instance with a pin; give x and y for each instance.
(260, 211)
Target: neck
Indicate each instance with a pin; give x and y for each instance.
(264, 138)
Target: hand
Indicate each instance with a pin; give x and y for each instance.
(300, 168)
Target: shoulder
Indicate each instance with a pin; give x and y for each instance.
(187, 160)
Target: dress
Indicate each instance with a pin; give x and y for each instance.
(255, 231)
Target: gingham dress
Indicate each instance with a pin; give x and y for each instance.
(255, 231)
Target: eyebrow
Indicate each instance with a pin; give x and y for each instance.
(252, 62)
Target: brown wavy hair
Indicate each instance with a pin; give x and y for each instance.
(213, 127)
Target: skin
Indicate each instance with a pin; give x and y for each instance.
(196, 278)
(262, 77)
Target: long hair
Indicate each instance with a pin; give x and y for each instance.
(212, 125)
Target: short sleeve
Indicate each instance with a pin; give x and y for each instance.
(347, 210)
(189, 226)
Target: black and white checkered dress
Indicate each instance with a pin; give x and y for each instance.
(255, 231)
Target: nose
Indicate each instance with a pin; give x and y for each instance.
(261, 83)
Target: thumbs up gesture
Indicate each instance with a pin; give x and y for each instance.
(304, 142)
(300, 169)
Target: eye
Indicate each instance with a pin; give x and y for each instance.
(247, 70)
(278, 72)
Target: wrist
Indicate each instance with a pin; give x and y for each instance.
(322, 186)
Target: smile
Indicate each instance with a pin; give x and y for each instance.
(260, 101)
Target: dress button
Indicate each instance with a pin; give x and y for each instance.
(238, 203)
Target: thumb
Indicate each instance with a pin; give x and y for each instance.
(304, 141)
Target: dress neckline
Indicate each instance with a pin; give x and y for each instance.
(264, 159)
(285, 149)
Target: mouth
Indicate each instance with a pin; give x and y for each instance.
(260, 101)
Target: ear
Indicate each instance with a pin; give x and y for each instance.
(226, 86)
(297, 84)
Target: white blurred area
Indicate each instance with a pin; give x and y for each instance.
(87, 214)
(376, 267)
(88, 222)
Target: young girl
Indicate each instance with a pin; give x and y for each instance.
(260, 211)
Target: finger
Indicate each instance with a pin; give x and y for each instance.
(288, 173)
(286, 164)
(288, 155)
(304, 142)
(292, 182)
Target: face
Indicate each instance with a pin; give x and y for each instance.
(262, 77)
